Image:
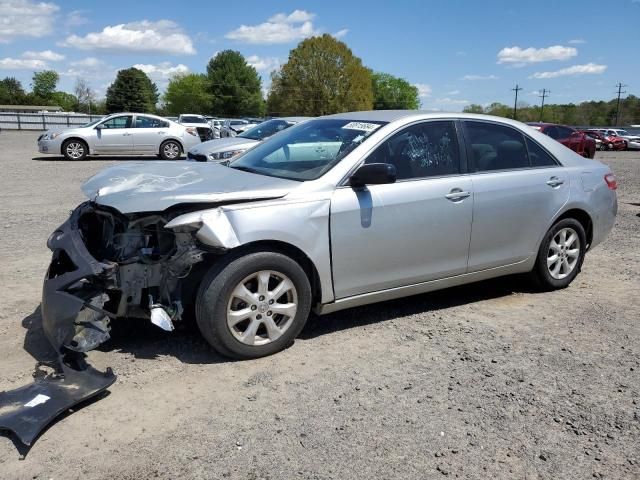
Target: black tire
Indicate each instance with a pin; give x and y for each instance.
(214, 297)
(540, 274)
(75, 145)
(603, 147)
(169, 146)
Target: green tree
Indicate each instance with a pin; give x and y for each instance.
(392, 93)
(188, 93)
(44, 84)
(67, 101)
(85, 95)
(11, 92)
(473, 108)
(131, 91)
(234, 85)
(321, 76)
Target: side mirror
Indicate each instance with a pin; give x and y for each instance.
(373, 174)
(99, 126)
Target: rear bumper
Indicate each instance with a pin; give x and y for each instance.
(73, 292)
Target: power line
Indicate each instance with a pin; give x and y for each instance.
(515, 102)
(545, 94)
(619, 86)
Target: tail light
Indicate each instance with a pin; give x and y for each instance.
(193, 131)
(612, 183)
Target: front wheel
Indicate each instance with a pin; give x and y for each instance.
(560, 256)
(253, 305)
(75, 150)
(170, 150)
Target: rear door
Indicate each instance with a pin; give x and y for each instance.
(411, 231)
(148, 133)
(115, 136)
(518, 187)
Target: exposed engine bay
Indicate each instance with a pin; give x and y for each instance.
(143, 266)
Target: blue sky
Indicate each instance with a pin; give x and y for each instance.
(456, 52)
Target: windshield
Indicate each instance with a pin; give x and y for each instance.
(265, 129)
(91, 124)
(192, 119)
(306, 151)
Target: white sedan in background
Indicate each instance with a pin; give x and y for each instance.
(121, 134)
(225, 148)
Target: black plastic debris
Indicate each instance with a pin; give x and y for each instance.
(26, 411)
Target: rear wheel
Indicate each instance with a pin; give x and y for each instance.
(254, 305)
(560, 256)
(170, 150)
(75, 149)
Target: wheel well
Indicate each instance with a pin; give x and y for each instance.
(168, 140)
(292, 252)
(77, 139)
(582, 217)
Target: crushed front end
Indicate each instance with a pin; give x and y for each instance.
(107, 265)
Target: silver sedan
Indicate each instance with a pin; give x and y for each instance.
(121, 134)
(331, 213)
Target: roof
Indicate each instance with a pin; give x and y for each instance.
(54, 108)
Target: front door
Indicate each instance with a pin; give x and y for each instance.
(115, 136)
(411, 231)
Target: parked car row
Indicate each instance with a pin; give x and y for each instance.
(571, 138)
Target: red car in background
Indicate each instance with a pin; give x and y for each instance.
(570, 137)
(606, 142)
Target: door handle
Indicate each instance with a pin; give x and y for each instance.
(554, 182)
(126, 134)
(457, 194)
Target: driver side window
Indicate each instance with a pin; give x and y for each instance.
(118, 122)
(423, 150)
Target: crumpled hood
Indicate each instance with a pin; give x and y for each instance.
(223, 145)
(156, 186)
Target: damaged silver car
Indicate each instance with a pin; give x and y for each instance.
(335, 212)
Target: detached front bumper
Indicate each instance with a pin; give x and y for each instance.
(73, 294)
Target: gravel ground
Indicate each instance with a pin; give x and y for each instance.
(487, 380)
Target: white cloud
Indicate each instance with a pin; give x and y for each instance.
(22, 64)
(280, 28)
(162, 72)
(89, 68)
(75, 18)
(521, 56)
(577, 41)
(24, 18)
(163, 36)
(454, 92)
(341, 33)
(263, 64)
(424, 90)
(46, 55)
(451, 101)
(479, 77)
(586, 69)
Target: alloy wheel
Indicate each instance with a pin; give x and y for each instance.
(563, 254)
(262, 307)
(171, 150)
(75, 150)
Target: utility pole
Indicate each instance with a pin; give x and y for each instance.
(545, 94)
(619, 86)
(515, 103)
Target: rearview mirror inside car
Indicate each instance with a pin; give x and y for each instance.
(373, 174)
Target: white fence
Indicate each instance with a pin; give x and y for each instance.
(43, 121)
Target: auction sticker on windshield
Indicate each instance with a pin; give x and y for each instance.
(363, 126)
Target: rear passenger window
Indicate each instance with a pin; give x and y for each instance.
(495, 147)
(423, 150)
(538, 156)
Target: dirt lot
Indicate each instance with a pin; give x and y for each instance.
(487, 380)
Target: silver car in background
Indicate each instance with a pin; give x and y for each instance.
(334, 212)
(121, 134)
(233, 127)
(226, 148)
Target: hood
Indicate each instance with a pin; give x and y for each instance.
(223, 145)
(156, 186)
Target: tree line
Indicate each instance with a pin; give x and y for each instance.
(591, 113)
(321, 76)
